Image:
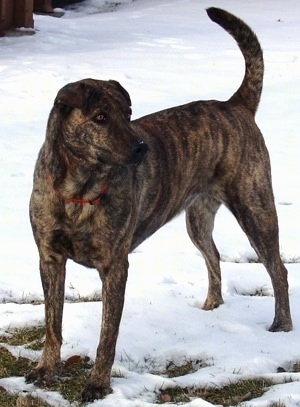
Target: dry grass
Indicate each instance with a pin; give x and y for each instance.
(230, 395)
(73, 374)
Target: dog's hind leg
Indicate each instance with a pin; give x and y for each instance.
(200, 215)
(255, 211)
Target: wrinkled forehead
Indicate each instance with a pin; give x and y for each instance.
(109, 93)
(91, 94)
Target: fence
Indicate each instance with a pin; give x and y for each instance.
(19, 13)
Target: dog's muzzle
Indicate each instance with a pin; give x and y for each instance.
(138, 151)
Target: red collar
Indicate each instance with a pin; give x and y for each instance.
(80, 201)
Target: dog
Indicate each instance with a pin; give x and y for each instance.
(103, 184)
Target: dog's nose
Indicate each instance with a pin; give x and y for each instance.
(139, 149)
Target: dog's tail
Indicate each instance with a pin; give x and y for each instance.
(250, 90)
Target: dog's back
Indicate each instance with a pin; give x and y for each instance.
(200, 145)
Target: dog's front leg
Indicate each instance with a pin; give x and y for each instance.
(113, 291)
(52, 269)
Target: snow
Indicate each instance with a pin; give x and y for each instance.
(164, 53)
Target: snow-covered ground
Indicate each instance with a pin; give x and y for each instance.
(164, 53)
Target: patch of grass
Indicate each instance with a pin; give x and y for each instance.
(30, 401)
(292, 367)
(31, 337)
(296, 367)
(189, 366)
(73, 374)
(76, 297)
(229, 395)
(7, 399)
(71, 378)
(174, 395)
(253, 259)
(11, 366)
(174, 370)
(12, 400)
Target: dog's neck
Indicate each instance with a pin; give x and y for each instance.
(79, 201)
(73, 181)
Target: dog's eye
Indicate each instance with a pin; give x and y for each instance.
(101, 118)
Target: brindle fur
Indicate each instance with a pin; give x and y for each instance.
(199, 155)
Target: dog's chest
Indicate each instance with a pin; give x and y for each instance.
(75, 246)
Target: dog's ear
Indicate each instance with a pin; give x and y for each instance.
(81, 95)
(70, 96)
(120, 89)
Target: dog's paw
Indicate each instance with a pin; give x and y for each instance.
(91, 393)
(39, 376)
(33, 376)
(281, 326)
(212, 303)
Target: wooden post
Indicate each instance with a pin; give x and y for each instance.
(44, 6)
(23, 16)
(6, 14)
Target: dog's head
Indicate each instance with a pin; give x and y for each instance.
(94, 123)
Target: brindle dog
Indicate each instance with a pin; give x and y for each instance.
(103, 184)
